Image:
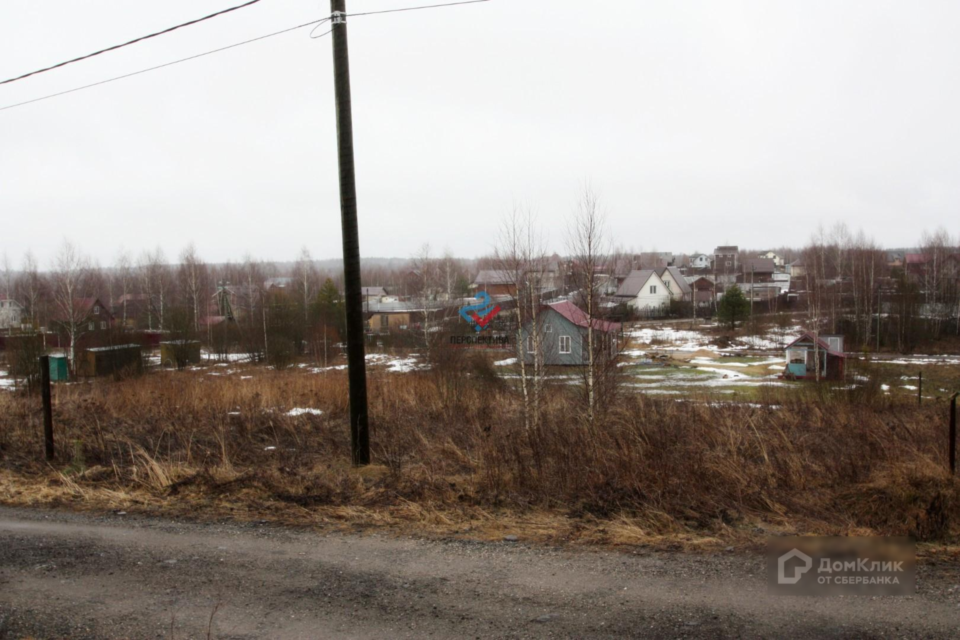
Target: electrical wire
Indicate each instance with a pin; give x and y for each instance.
(426, 6)
(315, 23)
(168, 64)
(127, 44)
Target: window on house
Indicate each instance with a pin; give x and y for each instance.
(384, 322)
(91, 326)
(96, 311)
(666, 283)
(530, 344)
(103, 325)
(653, 289)
(565, 344)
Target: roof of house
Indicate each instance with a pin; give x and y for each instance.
(681, 281)
(116, 347)
(494, 276)
(576, 315)
(83, 308)
(807, 335)
(727, 249)
(373, 291)
(634, 282)
(281, 282)
(759, 265)
(916, 258)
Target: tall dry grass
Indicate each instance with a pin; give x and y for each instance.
(828, 462)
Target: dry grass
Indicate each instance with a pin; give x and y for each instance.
(453, 458)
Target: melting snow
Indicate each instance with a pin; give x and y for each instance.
(301, 412)
(505, 363)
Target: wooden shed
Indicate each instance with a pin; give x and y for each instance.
(809, 350)
(179, 353)
(105, 361)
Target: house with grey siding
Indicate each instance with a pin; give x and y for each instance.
(561, 336)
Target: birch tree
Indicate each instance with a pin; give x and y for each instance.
(589, 249)
(71, 280)
(31, 287)
(521, 257)
(194, 278)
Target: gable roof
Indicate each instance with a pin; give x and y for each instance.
(494, 276)
(807, 335)
(83, 308)
(758, 265)
(678, 278)
(635, 282)
(373, 291)
(575, 315)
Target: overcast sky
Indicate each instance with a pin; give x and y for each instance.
(699, 123)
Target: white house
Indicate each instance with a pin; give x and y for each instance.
(702, 261)
(644, 290)
(770, 255)
(11, 313)
(677, 285)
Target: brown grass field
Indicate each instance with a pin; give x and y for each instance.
(452, 458)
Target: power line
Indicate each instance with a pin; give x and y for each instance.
(426, 6)
(127, 44)
(207, 53)
(169, 64)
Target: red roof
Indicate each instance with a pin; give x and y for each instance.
(809, 336)
(575, 314)
(916, 258)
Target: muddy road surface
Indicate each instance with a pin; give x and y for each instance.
(65, 575)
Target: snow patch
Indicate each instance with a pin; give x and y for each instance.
(302, 412)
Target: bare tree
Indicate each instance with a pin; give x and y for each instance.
(193, 278)
(589, 249)
(306, 277)
(155, 283)
(425, 266)
(7, 283)
(31, 288)
(123, 277)
(71, 279)
(521, 257)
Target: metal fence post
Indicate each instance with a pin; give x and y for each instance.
(47, 407)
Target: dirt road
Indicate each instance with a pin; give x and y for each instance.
(118, 576)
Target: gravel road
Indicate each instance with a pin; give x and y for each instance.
(65, 575)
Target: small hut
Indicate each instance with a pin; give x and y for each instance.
(59, 371)
(104, 361)
(806, 352)
(179, 353)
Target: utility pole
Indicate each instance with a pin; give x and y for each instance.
(356, 366)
